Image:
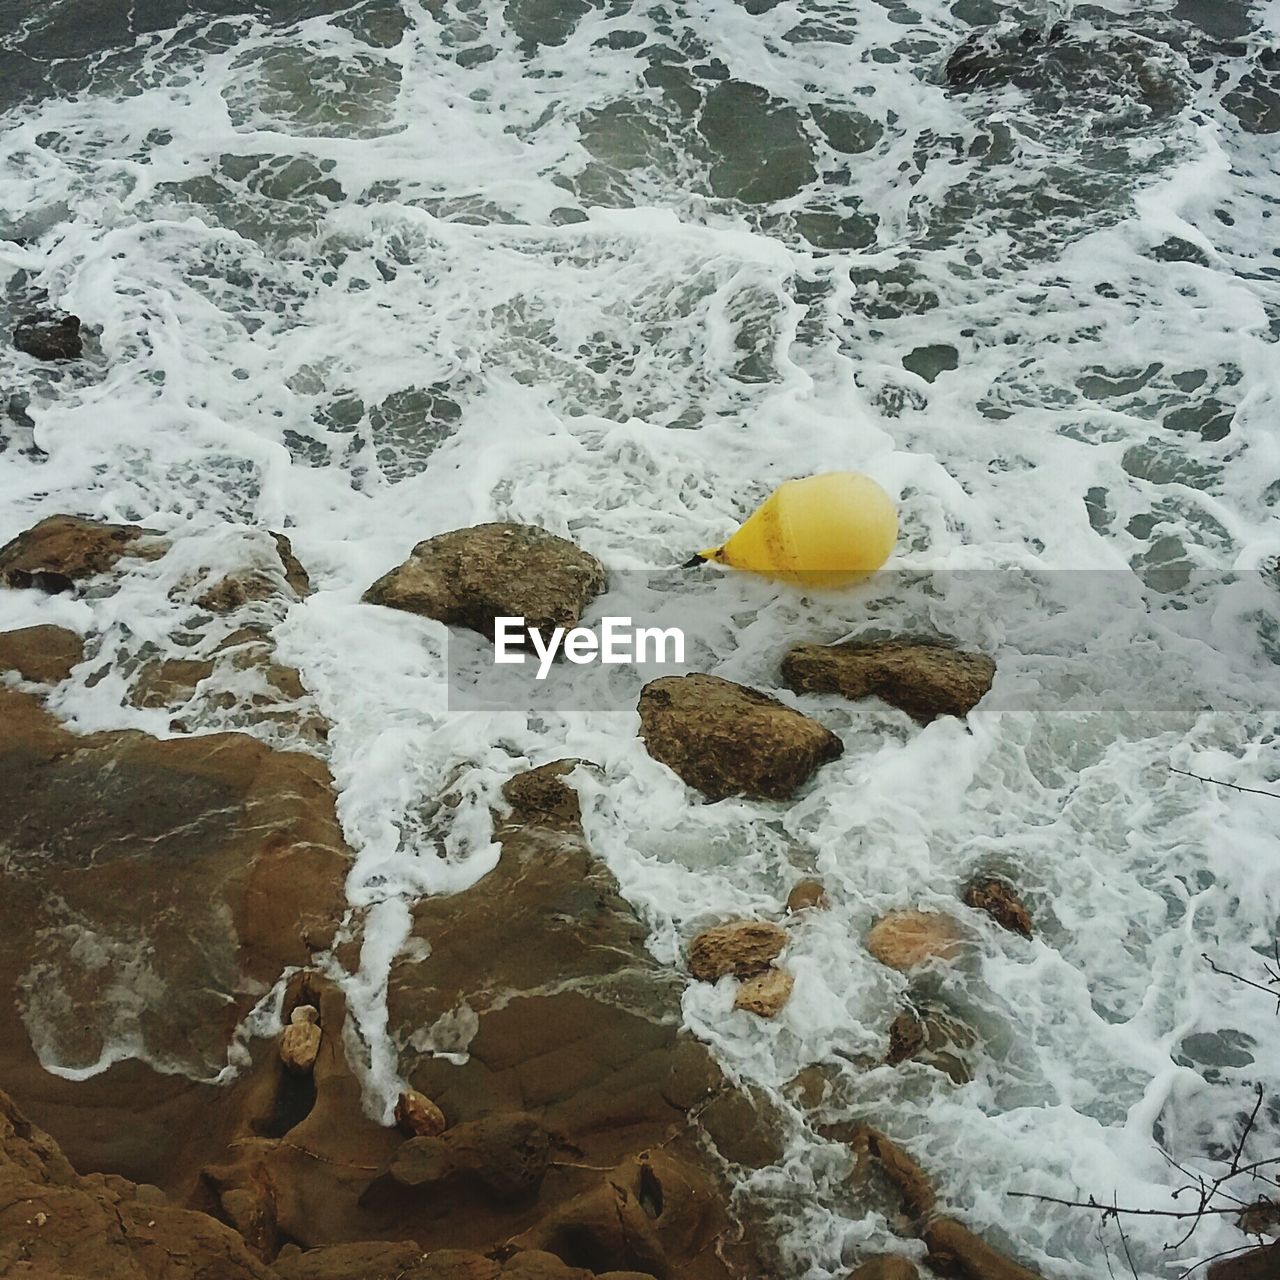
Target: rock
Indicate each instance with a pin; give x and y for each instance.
(300, 1040)
(538, 984)
(469, 577)
(508, 1153)
(955, 1250)
(48, 335)
(364, 1260)
(906, 1038)
(1254, 1264)
(905, 939)
(998, 56)
(42, 655)
(766, 994)
(924, 678)
(886, 1268)
(912, 1183)
(997, 898)
(541, 796)
(743, 948)
(153, 890)
(744, 1128)
(536, 1264)
(454, 1264)
(60, 551)
(271, 571)
(418, 1116)
(806, 894)
(934, 1037)
(169, 683)
(726, 739)
(56, 1224)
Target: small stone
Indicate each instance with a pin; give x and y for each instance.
(419, 1117)
(906, 1038)
(49, 336)
(806, 894)
(999, 900)
(766, 994)
(300, 1040)
(743, 948)
(905, 939)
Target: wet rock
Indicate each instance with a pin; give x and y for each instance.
(886, 1268)
(418, 1116)
(906, 1037)
(766, 994)
(62, 550)
(999, 900)
(912, 1183)
(726, 739)
(924, 678)
(48, 335)
(998, 56)
(469, 577)
(541, 796)
(271, 571)
(933, 1036)
(364, 1260)
(300, 1040)
(54, 1223)
(744, 1128)
(169, 683)
(906, 939)
(455, 1264)
(153, 889)
(538, 983)
(955, 1250)
(42, 655)
(537, 1264)
(806, 894)
(1254, 1264)
(743, 948)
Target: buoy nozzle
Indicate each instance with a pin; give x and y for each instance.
(701, 557)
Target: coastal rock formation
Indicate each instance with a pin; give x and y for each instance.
(924, 678)
(153, 890)
(61, 551)
(743, 948)
(728, 740)
(886, 1268)
(469, 577)
(906, 939)
(41, 655)
(49, 335)
(56, 1224)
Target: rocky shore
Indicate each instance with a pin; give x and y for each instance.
(555, 1119)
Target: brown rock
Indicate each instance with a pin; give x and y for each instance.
(744, 1128)
(924, 678)
(886, 1268)
(743, 948)
(905, 939)
(49, 335)
(806, 894)
(169, 683)
(954, 1249)
(906, 1037)
(300, 1040)
(726, 739)
(295, 575)
(189, 873)
(42, 655)
(363, 1260)
(766, 994)
(62, 550)
(508, 1153)
(999, 900)
(418, 1116)
(468, 577)
(542, 798)
(536, 1264)
(271, 571)
(57, 1225)
(454, 1264)
(1254, 1264)
(913, 1184)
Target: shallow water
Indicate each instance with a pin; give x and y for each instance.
(373, 271)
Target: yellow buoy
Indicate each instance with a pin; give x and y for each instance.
(823, 531)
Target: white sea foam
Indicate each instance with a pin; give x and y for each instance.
(376, 276)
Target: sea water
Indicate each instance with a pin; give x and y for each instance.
(366, 272)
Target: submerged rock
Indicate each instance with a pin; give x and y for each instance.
(924, 678)
(726, 739)
(1000, 55)
(60, 551)
(999, 900)
(766, 994)
(469, 577)
(42, 655)
(954, 1249)
(49, 335)
(807, 894)
(743, 948)
(886, 1268)
(906, 939)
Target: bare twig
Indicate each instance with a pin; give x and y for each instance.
(1218, 782)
